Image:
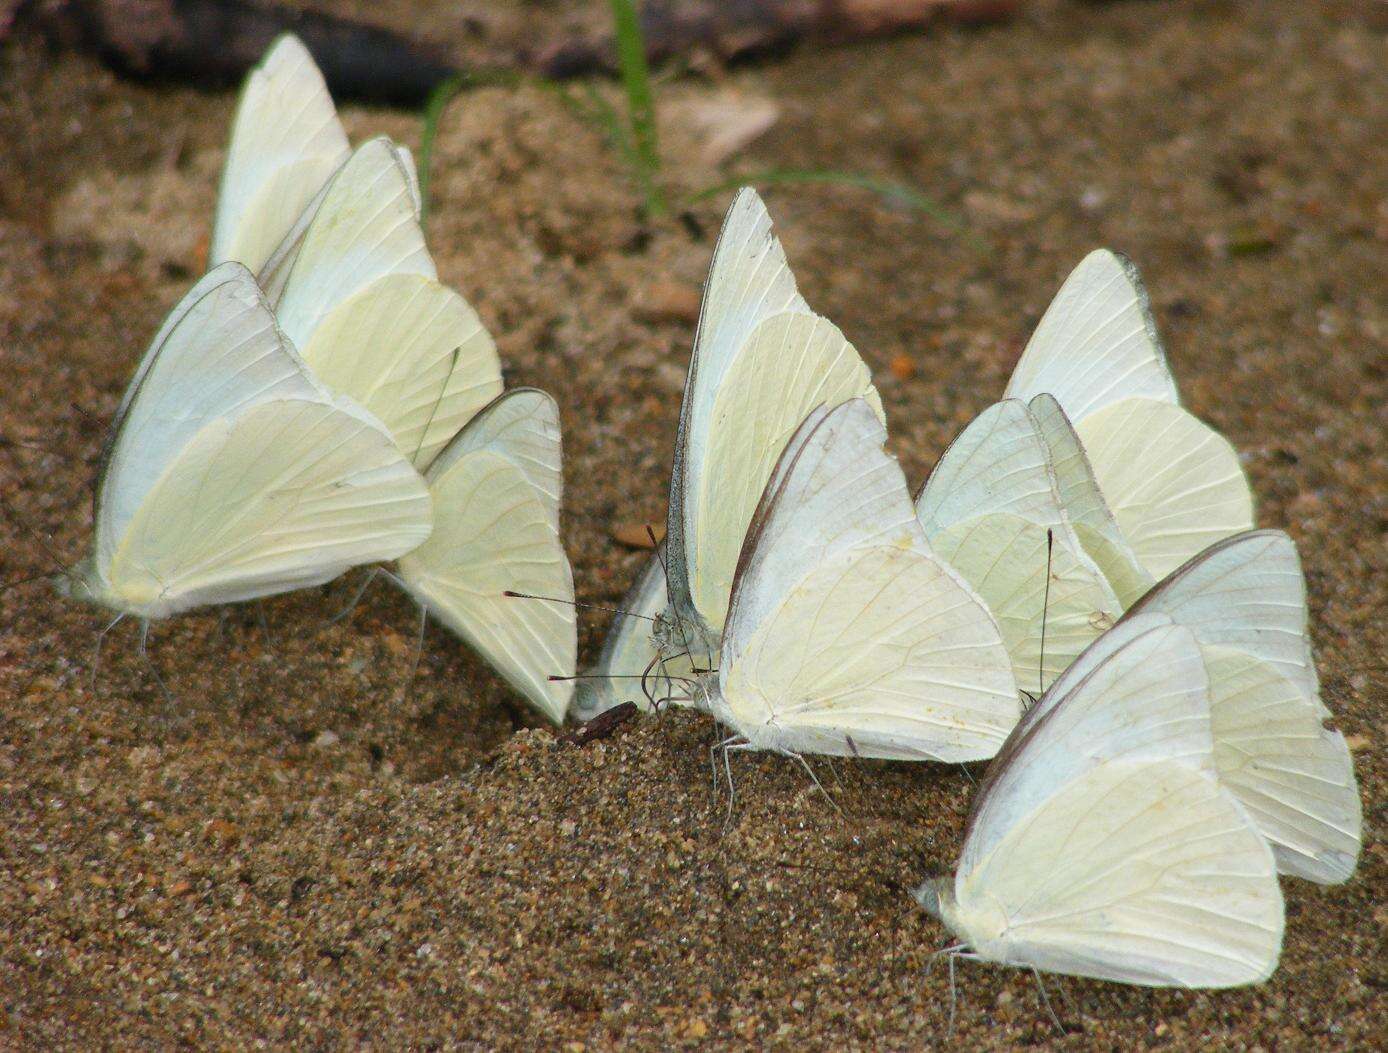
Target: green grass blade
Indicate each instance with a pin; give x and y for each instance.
(438, 101)
(884, 188)
(636, 82)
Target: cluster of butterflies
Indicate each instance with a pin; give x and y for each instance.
(319, 400)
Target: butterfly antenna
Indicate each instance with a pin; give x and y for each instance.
(576, 603)
(38, 537)
(556, 678)
(452, 365)
(1045, 603)
(86, 413)
(23, 581)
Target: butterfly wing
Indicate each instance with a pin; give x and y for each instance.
(282, 495)
(1294, 776)
(1096, 343)
(1245, 601)
(1144, 873)
(761, 361)
(1246, 592)
(1174, 484)
(364, 229)
(846, 635)
(991, 509)
(414, 353)
(496, 492)
(1084, 504)
(231, 474)
(286, 141)
(217, 353)
(1102, 844)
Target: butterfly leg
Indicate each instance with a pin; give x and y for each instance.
(815, 779)
(728, 771)
(264, 622)
(356, 599)
(418, 651)
(149, 663)
(730, 743)
(719, 742)
(953, 996)
(96, 656)
(1046, 1001)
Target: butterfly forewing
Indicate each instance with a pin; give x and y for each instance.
(286, 142)
(365, 228)
(1096, 343)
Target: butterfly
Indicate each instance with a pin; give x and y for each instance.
(762, 360)
(1244, 601)
(1063, 503)
(1169, 485)
(231, 473)
(352, 284)
(1102, 842)
(501, 482)
(286, 141)
(992, 508)
(845, 634)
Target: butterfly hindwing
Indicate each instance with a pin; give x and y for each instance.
(496, 492)
(846, 635)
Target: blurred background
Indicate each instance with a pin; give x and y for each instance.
(296, 854)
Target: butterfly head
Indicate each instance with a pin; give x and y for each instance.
(676, 636)
(979, 926)
(140, 595)
(82, 583)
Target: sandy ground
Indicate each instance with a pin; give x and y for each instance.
(296, 851)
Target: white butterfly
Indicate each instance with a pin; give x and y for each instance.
(1244, 600)
(845, 634)
(1172, 484)
(762, 361)
(354, 286)
(501, 482)
(1102, 843)
(992, 508)
(232, 473)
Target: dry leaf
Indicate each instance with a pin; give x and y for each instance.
(715, 126)
(634, 534)
(667, 301)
